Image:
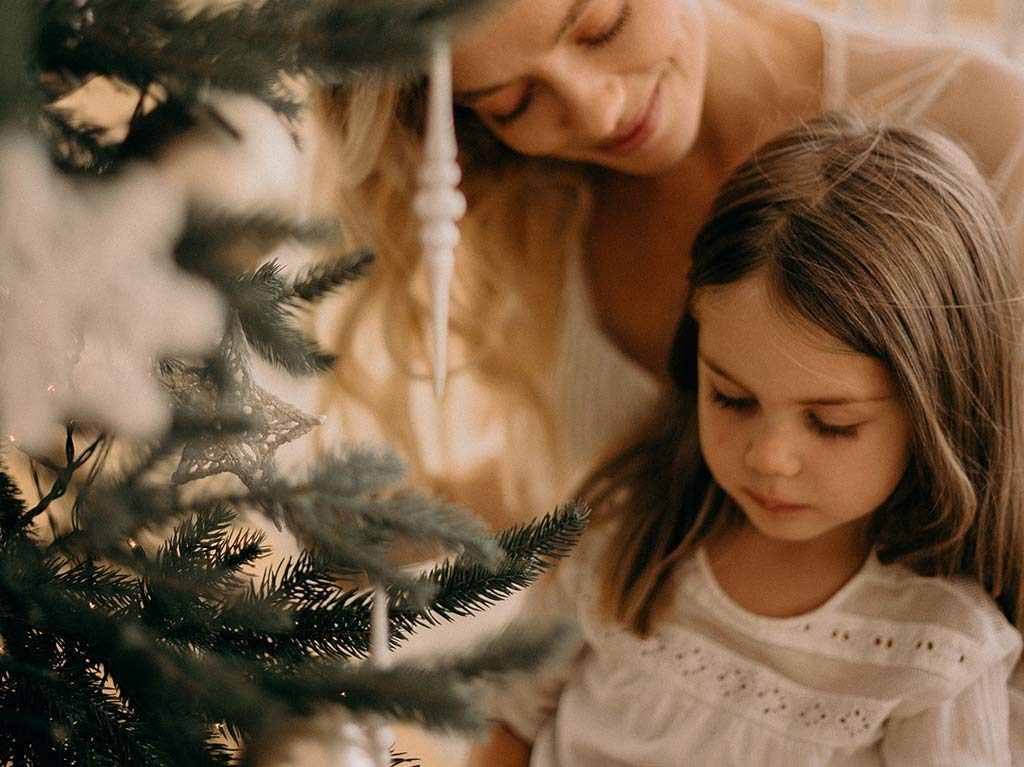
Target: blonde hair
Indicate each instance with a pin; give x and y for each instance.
(888, 239)
(507, 283)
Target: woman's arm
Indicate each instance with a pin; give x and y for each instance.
(502, 749)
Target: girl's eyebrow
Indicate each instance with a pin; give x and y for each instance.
(820, 401)
(467, 98)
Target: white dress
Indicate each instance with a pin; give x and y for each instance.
(894, 669)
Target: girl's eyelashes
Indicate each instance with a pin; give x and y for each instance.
(595, 41)
(817, 425)
(613, 31)
(830, 429)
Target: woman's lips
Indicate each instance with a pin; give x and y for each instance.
(636, 135)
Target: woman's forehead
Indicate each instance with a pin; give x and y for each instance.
(509, 38)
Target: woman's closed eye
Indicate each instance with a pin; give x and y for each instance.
(611, 31)
(518, 109)
(603, 37)
(739, 404)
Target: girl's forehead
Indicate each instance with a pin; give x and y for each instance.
(744, 331)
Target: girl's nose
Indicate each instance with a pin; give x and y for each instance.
(772, 452)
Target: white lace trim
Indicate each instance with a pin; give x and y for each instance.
(946, 653)
(716, 676)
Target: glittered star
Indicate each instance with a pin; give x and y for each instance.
(272, 422)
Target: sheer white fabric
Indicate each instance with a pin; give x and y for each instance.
(894, 669)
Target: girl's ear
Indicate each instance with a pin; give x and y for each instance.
(682, 359)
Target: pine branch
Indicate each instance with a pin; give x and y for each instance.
(520, 647)
(108, 588)
(12, 508)
(266, 319)
(465, 587)
(361, 31)
(401, 759)
(205, 556)
(17, 94)
(325, 278)
(77, 146)
(403, 691)
(355, 470)
(403, 515)
(212, 238)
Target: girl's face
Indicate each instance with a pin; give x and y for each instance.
(616, 83)
(808, 437)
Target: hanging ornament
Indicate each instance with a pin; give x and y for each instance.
(90, 296)
(272, 422)
(439, 204)
(380, 654)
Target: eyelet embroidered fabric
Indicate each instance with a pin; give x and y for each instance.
(712, 673)
(717, 677)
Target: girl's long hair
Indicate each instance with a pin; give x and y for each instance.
(888, 239)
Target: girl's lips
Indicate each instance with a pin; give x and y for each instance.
(775, 505)
(639, 132)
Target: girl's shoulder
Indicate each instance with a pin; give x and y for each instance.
(888, 630)
(947, 631)
(958, 604)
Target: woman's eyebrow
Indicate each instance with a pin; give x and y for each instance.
(466, 98)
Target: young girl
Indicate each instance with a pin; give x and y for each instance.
(814, 556)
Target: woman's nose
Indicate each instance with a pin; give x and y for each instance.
(773, 452)
(594, 105)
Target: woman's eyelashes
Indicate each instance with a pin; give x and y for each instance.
(739, 404)
(816, 424)
(611, 32)
(522, 106)
(591, 41)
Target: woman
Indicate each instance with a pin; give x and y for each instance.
(594, 135)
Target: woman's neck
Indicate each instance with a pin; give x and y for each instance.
(763, 61)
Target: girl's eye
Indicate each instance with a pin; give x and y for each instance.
(831, 430)
(611, 32)
(739, 404)
(517, 111)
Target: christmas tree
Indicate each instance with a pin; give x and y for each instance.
(134, 628)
